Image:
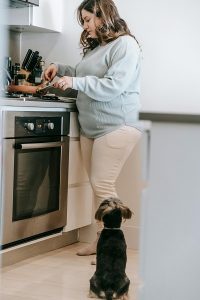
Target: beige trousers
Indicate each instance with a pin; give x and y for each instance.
(104, 158)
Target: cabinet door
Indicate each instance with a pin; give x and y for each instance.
(45, 18)
(74, 125)
(77, 173)
(79, 207)
(48, 15)
(80, 194)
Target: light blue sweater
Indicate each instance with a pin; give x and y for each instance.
(108, 84)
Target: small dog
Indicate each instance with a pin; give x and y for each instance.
(109, 280)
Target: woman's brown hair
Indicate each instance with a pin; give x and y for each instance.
(112, 25)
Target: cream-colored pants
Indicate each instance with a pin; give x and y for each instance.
(104, 158)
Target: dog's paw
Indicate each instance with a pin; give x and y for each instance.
(124, 297)
(92, 295)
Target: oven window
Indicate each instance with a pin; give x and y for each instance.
(36, 182)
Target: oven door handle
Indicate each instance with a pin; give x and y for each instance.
(38, 145)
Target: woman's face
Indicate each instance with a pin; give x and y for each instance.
(90, 22)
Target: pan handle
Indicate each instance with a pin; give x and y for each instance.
(44, 89)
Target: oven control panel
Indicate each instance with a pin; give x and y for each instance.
(38, 126)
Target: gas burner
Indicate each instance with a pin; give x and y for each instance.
(17, 95)
(50, 97)
(45, 98)
(13, 95)
(31, 97)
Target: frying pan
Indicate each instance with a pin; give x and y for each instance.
(30, 89)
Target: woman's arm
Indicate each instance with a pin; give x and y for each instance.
(64, 70)
(122, 71)
(56, 69)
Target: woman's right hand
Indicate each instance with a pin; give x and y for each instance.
(50, 72)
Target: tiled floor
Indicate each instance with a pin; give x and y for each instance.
(57, 275)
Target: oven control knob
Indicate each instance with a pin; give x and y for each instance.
(50, 126)
(30, 126)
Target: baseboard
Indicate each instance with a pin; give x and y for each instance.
(26, 250)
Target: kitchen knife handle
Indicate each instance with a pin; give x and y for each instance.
(28, 54)
(29, 61)
(32, 61)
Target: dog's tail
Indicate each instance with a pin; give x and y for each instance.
(109, 294)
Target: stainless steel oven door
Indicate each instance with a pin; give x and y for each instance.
(34, 188)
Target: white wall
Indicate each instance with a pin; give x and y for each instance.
(177, 67)
(168, 32)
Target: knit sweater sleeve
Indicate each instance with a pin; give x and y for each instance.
(123, 62)
(64, 70)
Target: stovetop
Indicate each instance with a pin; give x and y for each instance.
(44, 98)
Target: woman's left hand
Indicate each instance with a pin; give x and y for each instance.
(63, 83)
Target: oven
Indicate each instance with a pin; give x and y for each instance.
(35, 155)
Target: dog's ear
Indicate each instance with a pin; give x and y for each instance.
(111, 203)
(101, 210)
(126, 212)
(99, 214)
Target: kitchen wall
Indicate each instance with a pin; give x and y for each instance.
(168, 32)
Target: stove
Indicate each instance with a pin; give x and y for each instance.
(46, 98)
(34, 162)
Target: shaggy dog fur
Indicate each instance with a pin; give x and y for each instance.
(109, 280)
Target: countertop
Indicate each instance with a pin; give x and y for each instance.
(68, 103)
(171, 117)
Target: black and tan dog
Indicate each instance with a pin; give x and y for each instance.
(109, 280)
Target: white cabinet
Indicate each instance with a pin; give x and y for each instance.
(79, 207)
(80, 194)
(170, 237)
(47, 17)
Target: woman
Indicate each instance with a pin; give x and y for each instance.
(107, 80)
